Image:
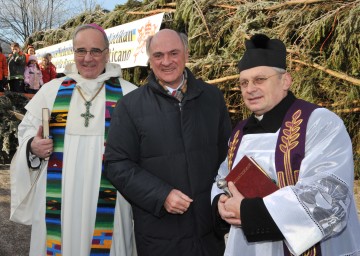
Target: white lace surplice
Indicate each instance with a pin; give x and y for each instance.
(320, 207)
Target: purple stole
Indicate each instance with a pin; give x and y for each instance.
(289, 152)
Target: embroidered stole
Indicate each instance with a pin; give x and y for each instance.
(103, 230)
(289, 152)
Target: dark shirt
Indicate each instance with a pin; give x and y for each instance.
(272, 120)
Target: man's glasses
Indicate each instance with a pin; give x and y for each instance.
(95, 52)
(244, 83)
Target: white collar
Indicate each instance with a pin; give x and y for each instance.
(181, 83)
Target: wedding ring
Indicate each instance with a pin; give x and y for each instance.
(49, 151)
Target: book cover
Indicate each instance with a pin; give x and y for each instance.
(250, 179)
(45, 124)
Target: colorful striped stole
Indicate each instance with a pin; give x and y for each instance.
(102, 235)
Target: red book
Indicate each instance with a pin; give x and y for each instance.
(250, 179)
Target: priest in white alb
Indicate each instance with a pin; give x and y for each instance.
(304, 148)
(57, 182)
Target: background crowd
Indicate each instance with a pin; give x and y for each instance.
(23, 72)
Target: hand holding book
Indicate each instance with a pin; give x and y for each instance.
(250, 179)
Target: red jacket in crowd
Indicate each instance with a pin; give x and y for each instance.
(48, 73)
(3, 66)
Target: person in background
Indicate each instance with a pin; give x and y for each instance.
(57, 182)
(30, 50)
(49, 57)
(48, 70)
(33, 76)
(16, 65)
(166, 142)
(3, 71)
(305, 149)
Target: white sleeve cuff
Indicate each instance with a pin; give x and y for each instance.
(34, 160)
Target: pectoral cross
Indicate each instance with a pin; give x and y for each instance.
(87, 115)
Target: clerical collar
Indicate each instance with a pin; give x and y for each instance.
(271, 121)
(100, 74)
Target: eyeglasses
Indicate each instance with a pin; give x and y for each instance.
(95, 52)
(256, 81)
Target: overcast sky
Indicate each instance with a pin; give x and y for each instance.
(110, 4)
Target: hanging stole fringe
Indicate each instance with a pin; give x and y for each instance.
(102, 236)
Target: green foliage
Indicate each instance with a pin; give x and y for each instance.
(322, 39)
(10, 101)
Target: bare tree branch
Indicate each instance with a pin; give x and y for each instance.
(21, 18)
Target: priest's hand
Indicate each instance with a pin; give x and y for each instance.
(233, 203)
(41, 147)
(225, 214)
(177, 202)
